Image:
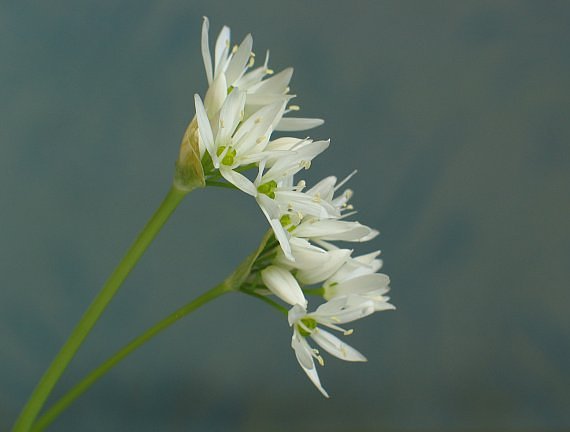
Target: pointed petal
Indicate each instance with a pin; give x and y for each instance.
(330, 263)
(336, 347)
(363, 284)
(290, 124)
(306, 204)
(336, 230)
(238, 180)
(271, 211)
(204, 128)
(256, 129)
(230, 115)
(206, 50)
(340, 310)
(302, 349)
(295, 313)
(238, 63)
(324, 188)
(221, 50)
(277, 84)
(216, 95)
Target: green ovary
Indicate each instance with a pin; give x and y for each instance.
(229, 157)
(308, 323)
(268, 188)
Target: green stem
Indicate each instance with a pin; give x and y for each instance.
(90, 317)
(62, 404)
(220, 184)
(266, 300)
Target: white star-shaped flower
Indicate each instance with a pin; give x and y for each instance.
(330, 315)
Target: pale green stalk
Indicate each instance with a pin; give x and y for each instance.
(61, 405)
(90, 317)
(232, 283)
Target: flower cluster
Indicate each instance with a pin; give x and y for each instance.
(232, 132)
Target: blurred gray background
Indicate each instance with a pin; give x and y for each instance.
(454, 113)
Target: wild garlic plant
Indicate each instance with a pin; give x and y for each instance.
(297, 268)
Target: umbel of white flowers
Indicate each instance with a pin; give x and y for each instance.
(232, 134)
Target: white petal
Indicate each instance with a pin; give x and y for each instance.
(295, 314)
(283, 143)
(256, 129)
(261, 99)
(277, 84)
(238, 180)
(363, 284)
(306, 204)
(302, 349)
(206, 50)
(324, 188)
(221, 50)
(204, 128)
(216, 95)
(251, 78)
(296, 159)
(336, 347)
(282, 283)
(238, 63)
(329, 263)
(290, 124)
(340, 310)
(230, 115)
(335, 230)
(271, 211)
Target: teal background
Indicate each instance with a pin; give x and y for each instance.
(454, 113)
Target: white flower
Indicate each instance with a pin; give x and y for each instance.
(329, 315)
(234, 143)
(229, 70)
(358, 281)
(313, 264)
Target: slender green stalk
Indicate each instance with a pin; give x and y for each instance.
(267, 300)
(232, 283)
(90, 317)
(62, 404)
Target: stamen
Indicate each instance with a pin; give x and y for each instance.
(269, 71)
(294, 108)
(234, 49)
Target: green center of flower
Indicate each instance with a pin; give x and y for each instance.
(268, 188)
(309, 324)
(285, 220)
(229, 157)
